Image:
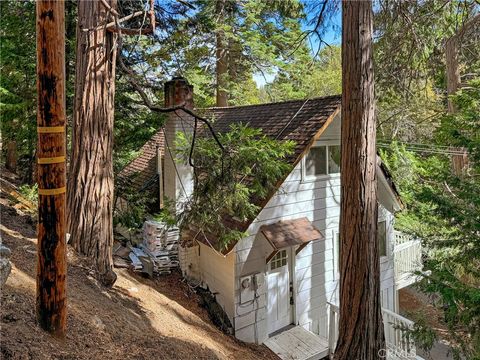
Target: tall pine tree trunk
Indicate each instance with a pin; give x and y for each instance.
(361, 334)
(221, 70)
(452, 47)
(453, 73)
(90, 195)
(11, 156)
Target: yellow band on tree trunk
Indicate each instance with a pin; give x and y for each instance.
(50, 129)
(56, 191)
(51, 160)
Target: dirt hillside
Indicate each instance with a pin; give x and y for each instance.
(137, 319)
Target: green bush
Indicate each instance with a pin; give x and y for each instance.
(230, 183)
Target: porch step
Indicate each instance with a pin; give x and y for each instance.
(298, 344)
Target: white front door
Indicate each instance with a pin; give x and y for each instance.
(279, 309)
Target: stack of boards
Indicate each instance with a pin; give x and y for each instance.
(158, 253)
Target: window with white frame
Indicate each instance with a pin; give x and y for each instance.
(279, 260)
(322, 160)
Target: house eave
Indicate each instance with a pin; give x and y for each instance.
(387, 181)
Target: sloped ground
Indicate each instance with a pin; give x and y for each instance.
(413, 302)
(137, 319)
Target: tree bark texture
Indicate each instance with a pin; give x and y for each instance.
(221, 56)
(90, 197)
(51, 177)
(453, 73)
(11, 156)
(361, 333)
(460, 163)
(452, 47)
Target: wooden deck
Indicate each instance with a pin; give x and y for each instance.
(298, 344)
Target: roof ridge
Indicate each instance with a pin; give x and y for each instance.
(269, 103)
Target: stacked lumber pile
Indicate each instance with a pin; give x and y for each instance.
(157, 253)
(160, 243)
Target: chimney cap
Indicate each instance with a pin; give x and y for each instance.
(178, 91)
(178, 78)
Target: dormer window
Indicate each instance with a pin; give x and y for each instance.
(322, 160)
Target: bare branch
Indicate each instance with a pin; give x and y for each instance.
(307, 33)
(109, 8)
(187, 4)
(160, 109)
(127, 31)
(116, 21)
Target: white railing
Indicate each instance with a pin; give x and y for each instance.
(399, 343)
(407, 253)
(333, 318)
(401, 238)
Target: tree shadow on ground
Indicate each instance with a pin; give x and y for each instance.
(102, 323)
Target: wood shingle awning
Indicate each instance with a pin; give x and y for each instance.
(287, 233)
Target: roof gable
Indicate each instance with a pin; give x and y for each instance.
(301, 121)
(141, 172)
(296, 120)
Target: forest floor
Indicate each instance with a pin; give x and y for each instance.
(138, 318)
(413, 303)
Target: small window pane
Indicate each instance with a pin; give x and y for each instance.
(279, 260)
(334, 159)
(316, 161)
(382, 238)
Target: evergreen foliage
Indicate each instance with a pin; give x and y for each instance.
(306, 77)
(410, 63)
(230, 183)
(18, 77)
(18, 80)
(259, 38)
(266, 37)
(443, 209)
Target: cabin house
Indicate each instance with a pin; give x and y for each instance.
(280, 284)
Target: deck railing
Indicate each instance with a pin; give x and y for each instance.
(401, 238)
(333, 318)
(399, 342)
(407, 253)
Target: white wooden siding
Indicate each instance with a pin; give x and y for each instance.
(201, 263)
(218, 273)
(189, 262)
(333, 131)
(316, 280)
(387, 273)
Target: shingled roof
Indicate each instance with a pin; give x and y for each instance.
(141, 172)
(297, 120)
(302, 121)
